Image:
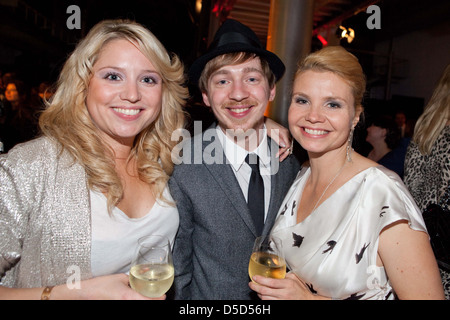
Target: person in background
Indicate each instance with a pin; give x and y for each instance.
(74, 202)
(41, 96)
(384, 137)
(349, 227)
(236, 77)
(405, 126)
(20, 123)
(427, 161)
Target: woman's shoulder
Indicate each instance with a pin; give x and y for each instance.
(39, 145)
(383, 193)
(35, 152)
(368, 170)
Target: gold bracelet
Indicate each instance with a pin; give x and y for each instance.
(46, 293)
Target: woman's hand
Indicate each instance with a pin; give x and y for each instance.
(110, 287)
(289, 288)
(281, 136)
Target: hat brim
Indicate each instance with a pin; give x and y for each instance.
(275, 63)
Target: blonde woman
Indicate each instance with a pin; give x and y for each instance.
(349, 227)
(427, 162)
(74, 202)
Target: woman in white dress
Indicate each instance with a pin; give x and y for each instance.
(349, 227)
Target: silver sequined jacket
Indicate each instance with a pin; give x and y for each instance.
(45, 224)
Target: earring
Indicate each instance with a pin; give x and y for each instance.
(349, 145)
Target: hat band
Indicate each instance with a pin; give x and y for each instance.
(234, 37)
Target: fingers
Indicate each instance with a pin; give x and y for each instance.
(285, 151)
(268, 282)
(291, 287)
(267, 288)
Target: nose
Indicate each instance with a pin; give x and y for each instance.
(314, 115)
(238, 91)
(131, 92)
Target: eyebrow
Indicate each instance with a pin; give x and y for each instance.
(245, 70)
(327, 98)
(124, 69)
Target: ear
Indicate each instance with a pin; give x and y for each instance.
(358, 111)
(206, 99)
(272, 93)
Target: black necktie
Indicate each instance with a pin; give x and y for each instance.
(255, 198)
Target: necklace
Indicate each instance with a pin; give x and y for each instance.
(331, 182)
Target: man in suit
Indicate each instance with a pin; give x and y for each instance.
(211, 186)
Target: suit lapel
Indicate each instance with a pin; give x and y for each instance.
(226, 179)
(274, 204)
(276, 192)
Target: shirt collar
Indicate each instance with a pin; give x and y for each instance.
(236, 155)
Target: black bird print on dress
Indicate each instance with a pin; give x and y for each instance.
(298, 239)
(382, 211)
(359, 255)
(388, 295)
(293, 207)
(331, 245)
(311, 288)
(355, 296)
(284, 210)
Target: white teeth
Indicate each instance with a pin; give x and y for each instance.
(128, 112)
(315, 132)
(240, 110)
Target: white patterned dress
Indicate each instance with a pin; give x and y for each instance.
(334, 250)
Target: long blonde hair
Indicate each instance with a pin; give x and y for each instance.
(435, 115)
(67, 120)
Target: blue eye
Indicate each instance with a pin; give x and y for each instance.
(300, 100)
(149, 80)
(334, 105)
(112, 76)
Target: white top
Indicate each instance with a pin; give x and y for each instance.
(236, 158)
(334, 250)
(115, 236)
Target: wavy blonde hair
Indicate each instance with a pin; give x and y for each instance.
(435, 115)
(67, 120)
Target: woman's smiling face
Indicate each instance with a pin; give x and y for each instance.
(125, 92)
(322, 111)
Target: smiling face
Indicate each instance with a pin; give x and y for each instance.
(238, 95)
(125, 92)
(322, 112)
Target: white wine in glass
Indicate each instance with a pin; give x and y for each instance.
(267, 259)
(152, 271)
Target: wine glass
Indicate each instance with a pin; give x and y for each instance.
(267, 258)
(152, 271)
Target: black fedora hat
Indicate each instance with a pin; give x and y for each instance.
(233, 36)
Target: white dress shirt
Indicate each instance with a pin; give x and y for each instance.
(236, 158)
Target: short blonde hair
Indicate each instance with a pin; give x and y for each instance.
(339, 61)
(67, 120)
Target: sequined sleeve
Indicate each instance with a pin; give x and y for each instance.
(13, 223)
